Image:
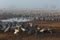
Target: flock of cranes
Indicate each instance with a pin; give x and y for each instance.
(14, 25)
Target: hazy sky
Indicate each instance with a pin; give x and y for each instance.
(44, 4)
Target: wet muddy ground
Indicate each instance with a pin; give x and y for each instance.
(24, 36)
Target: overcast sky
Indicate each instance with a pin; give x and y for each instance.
(31, 4)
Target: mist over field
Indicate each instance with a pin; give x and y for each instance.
(13, 8)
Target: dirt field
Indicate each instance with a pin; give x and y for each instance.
(47, 23)
(10, 36)
(25, 36)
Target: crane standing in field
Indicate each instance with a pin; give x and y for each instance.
(46, 30)
(17, 29)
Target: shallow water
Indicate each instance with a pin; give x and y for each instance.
(16, 19)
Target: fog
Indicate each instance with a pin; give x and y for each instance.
(30, 4)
